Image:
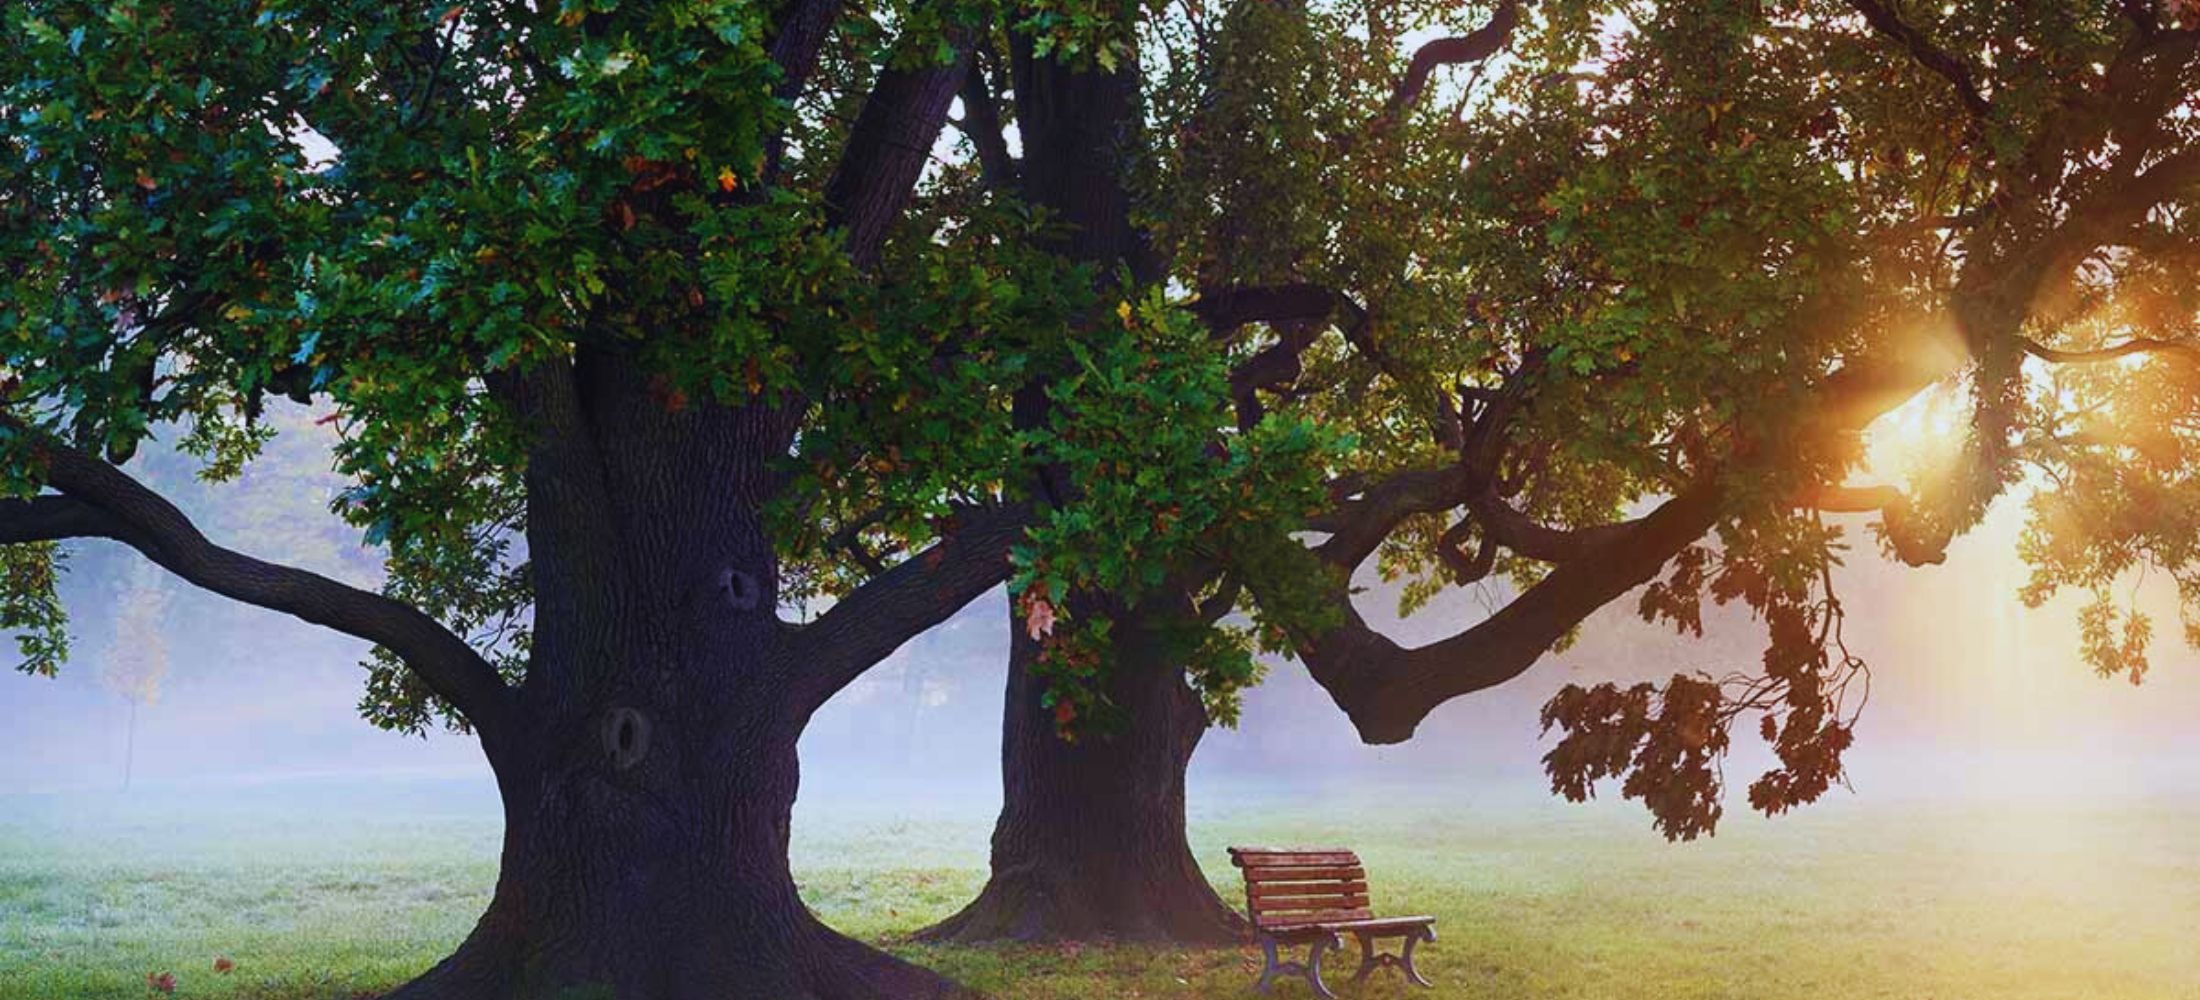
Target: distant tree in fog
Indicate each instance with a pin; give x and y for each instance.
(135, 659)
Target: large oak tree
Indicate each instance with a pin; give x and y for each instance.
(633, 319)
(1614, 308)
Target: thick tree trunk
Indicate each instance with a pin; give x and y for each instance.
(1090, 842)
(659, 882)
(649, 788)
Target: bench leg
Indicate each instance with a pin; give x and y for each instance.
(1314, 965)
(1311, 971)
(1272, 968)
(1413, 975)
(1371, 959)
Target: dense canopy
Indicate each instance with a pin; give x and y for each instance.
(689, 356)
(1622, 312)
(410, 212)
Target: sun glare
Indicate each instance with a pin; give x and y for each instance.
(1918, 440)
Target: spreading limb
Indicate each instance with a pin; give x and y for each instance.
(910, 597)
(97, 500)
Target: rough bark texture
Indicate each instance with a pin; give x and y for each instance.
(664, 880)
(1090, 842)
(649, 787)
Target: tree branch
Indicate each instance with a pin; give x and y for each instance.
(797, 39)
(898, 605)
(1387, 689)
(1221, 602)
(1474, 46)
(888, 147)
(1273, 367)
(982, 123)
(1294, 310)
(51, 518)
(1533, 539)
(1451, 549)
(1932, 57)
(2185, 353)
(1225, 310)
(849, 539)
(1357, 525)
(1851, 499)
(100, 501)
(2118, 206)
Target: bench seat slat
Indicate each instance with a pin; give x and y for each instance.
(1314, 917)
(1372, 927)
(1314, 906)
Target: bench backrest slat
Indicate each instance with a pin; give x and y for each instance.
(1302, 886)
(1271, 893)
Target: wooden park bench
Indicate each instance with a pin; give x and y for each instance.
(1312, 897)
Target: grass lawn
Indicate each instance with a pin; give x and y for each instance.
(322, 897)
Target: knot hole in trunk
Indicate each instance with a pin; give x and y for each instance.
(739, 589)
(625, 737)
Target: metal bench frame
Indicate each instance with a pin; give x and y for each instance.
(1315, 896)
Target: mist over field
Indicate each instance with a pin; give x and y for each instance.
(1974, 697)
(2019, 830)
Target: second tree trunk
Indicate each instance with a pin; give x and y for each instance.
(1090, 842)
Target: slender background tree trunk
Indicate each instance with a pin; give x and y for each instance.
(1090, 842)
(129, 746)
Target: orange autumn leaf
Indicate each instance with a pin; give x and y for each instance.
(1038, 619)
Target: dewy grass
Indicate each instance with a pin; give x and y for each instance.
(1856, 899)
